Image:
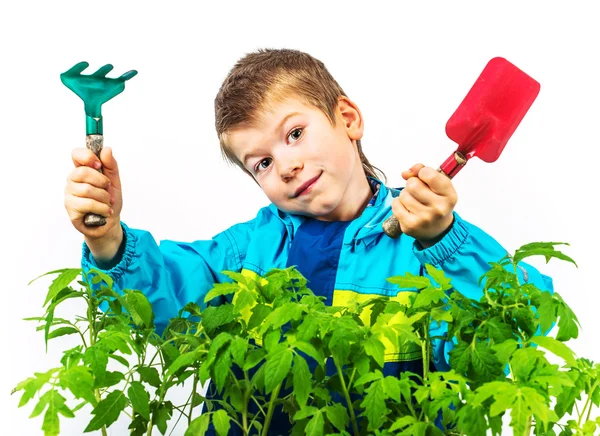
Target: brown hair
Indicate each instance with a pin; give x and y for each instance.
(264, 76)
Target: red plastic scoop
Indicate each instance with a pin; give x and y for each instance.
(485, 120)
(490, 113)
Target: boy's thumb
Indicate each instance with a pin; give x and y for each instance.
(109, 165)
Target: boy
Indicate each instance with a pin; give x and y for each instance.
(286, 122)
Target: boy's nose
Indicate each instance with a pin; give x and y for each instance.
(289, 170)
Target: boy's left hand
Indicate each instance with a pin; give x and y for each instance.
(424, 207)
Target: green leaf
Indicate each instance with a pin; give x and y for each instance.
(221, 368)
(545, 249)
(282, 315)
(537, 404)
(184, 360)
(316, 425)
(484, 362)
(254, 358)
(567, 323)
(305, 412)
(107, 411)
(97, 359)
(471, 420)
(238, 349)
(221, 289)
(502, 392)
(428, 296)
(214, 317)
(302, 380)
(338, 416)
(410, 281)
(402, 422)
(523, 362)
(119, 359)
(520, 414)
(439, 277)
(374, 405)
(199, 426)
(439, 314)
(56, 405)
(140, 400)
(221, 421)
(374, 348)
(63, 280)
(95, 276)
(259, 313)
(368, 378)
(161, 416)
(112, 378)
(149, 375)
(498, 330)
(277, 368)
(310, 350)
(31, 386)
(547, 311)
(504, 350)
(80, 381)
(243, 299)
(556, 347)
(139, 308)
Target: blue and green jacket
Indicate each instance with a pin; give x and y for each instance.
(343, 261)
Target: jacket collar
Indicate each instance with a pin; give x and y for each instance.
(366, 228)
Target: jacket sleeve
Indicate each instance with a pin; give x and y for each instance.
(172, 274)
(464, 254)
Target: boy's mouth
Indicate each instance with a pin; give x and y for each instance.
(305, 187)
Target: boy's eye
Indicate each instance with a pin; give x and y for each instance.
(295, 134)
(263, 164)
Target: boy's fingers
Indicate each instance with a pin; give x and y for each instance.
(85, 157)
(412, 172)
(110, 167)
(84, 174)
(85, 190)
(437, 182)
(82, 206)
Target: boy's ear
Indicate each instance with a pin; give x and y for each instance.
(351, 117)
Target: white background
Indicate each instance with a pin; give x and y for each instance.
(407, 67)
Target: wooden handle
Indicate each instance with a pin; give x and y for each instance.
(94, 143)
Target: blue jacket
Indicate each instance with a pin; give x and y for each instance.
(342, 261)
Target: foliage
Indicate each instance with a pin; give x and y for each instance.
(267, 343)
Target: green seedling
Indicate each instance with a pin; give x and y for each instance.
(95, 90)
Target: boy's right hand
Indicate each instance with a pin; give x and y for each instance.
(89, 191)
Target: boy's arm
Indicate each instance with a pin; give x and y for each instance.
(171, 274)
(464, 254)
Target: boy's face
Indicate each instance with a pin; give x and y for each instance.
(304, 164)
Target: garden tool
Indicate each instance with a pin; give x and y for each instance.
(94, 89)
(485, 120)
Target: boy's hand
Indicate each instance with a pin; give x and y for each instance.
(424, 207)
(89, 191)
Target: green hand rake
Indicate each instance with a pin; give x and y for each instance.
(94, 89)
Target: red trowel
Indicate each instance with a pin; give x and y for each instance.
(485, 120)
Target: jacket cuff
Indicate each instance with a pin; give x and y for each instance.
(122, 260)
(446, 247)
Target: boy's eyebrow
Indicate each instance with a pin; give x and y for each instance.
(275, 130)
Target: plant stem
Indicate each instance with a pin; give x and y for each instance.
(271, 409)
(195, 385)
(590, 396)
(91, 320)
(347, 397)
(425, 351)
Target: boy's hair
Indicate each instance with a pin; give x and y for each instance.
(270, 75)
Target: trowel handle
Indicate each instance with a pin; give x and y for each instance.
(450, 168)
(95, 143)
